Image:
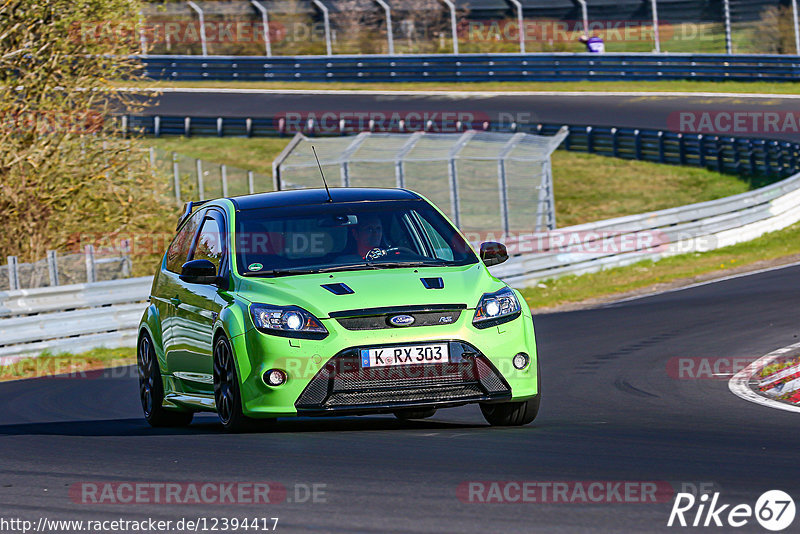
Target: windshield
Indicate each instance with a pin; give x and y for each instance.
(346, 236)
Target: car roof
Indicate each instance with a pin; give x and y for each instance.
(299, 197)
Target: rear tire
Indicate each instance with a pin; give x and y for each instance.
(418, 413)
(227, 395)
(151, 389)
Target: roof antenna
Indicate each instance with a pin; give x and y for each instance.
(314, 150)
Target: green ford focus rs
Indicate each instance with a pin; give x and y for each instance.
(308, 303)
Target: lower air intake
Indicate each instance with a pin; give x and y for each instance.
(343, 386)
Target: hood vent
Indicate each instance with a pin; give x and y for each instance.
(338, 289)
(432, 283)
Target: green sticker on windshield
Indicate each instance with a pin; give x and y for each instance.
(255, 267)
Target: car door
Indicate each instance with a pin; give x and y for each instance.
(198, 309)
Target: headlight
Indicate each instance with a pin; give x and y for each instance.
(496, 308)
(287, 321)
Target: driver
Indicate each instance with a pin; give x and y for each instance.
(368, 234)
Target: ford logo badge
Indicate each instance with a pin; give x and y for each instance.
(402, 320)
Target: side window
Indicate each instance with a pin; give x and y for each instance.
(209, 242)
(441, 249)
(178, 251)
(398, 233)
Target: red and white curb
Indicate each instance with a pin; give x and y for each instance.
(740, 383)
(781, 383)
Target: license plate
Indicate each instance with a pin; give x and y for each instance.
(406, 355)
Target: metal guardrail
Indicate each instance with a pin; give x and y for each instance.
(694, 228)
(75, 317)
(770, 158)
(57, 269)
(477, 67)
(74, 296)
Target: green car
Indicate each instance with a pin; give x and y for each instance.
(316, 303)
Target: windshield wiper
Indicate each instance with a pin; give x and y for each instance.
(291, 272)
(395, 264)
(352, 267)
(280, 272)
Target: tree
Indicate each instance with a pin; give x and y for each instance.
(64, 167)
(357, 23)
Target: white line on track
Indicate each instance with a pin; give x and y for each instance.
(660, 94)
(739, 384)
(700, 284)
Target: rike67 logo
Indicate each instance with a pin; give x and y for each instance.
(774, 511)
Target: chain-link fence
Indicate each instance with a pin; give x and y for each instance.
(64, 269)
(197, 179)
(486, 182)
(300, 27)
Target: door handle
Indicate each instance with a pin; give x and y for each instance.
(176, 301)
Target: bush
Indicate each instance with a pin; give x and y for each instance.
(65, 170)
(774, 33)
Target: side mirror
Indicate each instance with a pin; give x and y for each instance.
(493, 253)
(199, 272)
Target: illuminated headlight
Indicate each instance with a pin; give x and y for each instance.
(293, 321)
(496, 308)
(288, 321)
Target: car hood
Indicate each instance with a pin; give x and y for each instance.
(372, 288)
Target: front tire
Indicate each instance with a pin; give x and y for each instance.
(515, 413)
(511, 413)
(227, 395)
(151, 389)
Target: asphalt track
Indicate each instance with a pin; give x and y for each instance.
(655, 111)
(611, 412)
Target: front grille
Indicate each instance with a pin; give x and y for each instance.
(379, 322)
(415, 395)
(402, 376)
(342, 385)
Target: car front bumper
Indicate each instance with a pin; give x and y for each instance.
(324, 376)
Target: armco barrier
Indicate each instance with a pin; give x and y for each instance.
(769, 158)
(477, 67)
(84, 316)
(72, 318)
(693, 228)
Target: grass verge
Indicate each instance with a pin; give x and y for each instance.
(681, 86)
(590, 188)
(255, 154)
(65, 363)
(674, 271)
